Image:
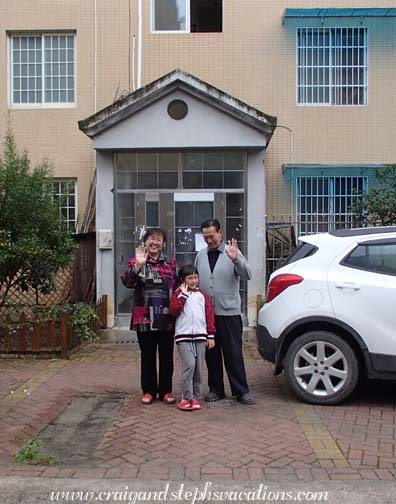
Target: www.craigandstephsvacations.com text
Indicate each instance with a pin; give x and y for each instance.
(190, 494)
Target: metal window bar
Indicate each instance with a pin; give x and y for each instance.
(326, 203)
(65, 192)
(25, 69)
(40, 67)
(332, 66)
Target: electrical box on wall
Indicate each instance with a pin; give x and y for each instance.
(105, 239)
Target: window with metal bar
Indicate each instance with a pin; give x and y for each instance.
(43, 70)
(332, 66)
(64, 192)
(327, 203)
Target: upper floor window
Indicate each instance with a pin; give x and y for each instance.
(187, 15)
(43, 70)
(64, 192)
(332, 66)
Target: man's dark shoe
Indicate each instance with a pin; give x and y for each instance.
(214, 396)
(246, 399)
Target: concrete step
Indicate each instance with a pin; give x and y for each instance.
(118, 335)
(124, 335)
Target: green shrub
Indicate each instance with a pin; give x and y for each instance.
(81, 315)
(34, 242)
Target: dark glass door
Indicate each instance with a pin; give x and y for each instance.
(189, 214)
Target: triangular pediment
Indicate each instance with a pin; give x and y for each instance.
(177, 81)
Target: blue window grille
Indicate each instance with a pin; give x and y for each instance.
(332, 66)
(327, 203)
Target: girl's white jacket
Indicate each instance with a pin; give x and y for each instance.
(194, 315)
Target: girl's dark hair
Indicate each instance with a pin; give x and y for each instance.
(187, 269)
(153, 231)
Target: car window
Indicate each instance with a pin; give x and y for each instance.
(301, 251)
(379, 258)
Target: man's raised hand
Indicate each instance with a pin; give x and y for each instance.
(232, 249)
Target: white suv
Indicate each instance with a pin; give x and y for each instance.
(330, 313)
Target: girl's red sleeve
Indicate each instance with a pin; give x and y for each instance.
(177, 303)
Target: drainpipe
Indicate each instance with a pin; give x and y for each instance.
(291, 141)
(133, 62)
(95, 55)
(139, 68)
(291, 162)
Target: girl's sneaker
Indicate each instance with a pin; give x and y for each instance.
(185, 405)
(196, 405)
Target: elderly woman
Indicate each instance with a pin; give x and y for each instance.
(153, 277)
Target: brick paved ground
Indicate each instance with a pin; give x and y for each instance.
(278, 439)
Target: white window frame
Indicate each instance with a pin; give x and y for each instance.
(333, 85)
(10, 71)
(188, 19)
(152, 20)
(328, 200)
(66, 205)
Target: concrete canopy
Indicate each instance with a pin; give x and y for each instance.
(124, 119)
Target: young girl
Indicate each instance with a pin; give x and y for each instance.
(194, 331)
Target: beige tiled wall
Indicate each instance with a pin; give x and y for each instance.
(253, 59)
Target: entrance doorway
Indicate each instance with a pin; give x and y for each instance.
(179, 214)
(175, 191)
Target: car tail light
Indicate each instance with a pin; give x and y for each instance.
(281, 282)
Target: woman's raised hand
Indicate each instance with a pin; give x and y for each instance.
(141, 255)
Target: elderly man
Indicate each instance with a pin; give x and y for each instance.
(220, 267)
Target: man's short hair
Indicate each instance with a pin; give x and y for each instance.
(153, 231)
(209, 223)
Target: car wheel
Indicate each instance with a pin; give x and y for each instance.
(321, 368)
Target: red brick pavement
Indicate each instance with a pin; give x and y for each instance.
(223, 441)
(14, 372)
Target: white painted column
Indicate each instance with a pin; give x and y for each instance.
(104, 225)
(255, 230)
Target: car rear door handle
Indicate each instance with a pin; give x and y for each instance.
(348, 285)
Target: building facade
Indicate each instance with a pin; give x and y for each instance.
(326, 74)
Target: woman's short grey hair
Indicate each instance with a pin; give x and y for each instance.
(153, 231)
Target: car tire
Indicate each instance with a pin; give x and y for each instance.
(321, 368)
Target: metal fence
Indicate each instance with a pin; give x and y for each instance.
(280, 241)
(74, 284)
